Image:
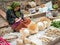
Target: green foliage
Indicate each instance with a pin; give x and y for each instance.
(55, 6)
(56, 24)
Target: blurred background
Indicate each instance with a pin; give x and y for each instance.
(5, 3)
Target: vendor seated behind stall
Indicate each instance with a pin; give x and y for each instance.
(14, 14)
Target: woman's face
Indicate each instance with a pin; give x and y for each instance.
(17, 8)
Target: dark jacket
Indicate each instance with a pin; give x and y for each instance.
(11, 16)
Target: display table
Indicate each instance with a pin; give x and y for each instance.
(35, 15)
(40, 34)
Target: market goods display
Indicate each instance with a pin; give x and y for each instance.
(32, 35)
(24, 32)
(3, 41)
(27, 41)
(42, 5)
(35, 40)
(44, 19)
(32, 10)
(32, 4)
(19, 42)
(10, 37)
(56, 23)
(43, 39)
(33, 28)
(41, 26)
(52, 32)
(43, 23)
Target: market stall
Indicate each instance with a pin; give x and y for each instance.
(36, 34)
(44, 28)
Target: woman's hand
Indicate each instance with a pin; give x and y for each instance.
(16, 19)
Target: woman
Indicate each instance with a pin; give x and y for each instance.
(13, 15)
